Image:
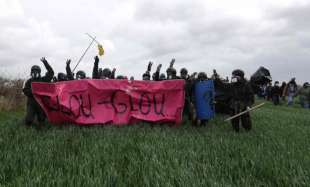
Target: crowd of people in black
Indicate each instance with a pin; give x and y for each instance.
(239, 89)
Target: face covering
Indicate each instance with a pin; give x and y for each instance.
(234, 79)
(146, 78)
(35, 75)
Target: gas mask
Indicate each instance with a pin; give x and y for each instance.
(80, 75)
(162, 76)
(146, 78)
(183, 75)
(35, 72)
(235, 79)
(35, 75)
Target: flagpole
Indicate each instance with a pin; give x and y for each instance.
(94, 39)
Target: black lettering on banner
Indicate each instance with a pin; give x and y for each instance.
(66, 111)
(132, 104)
(46, 100)
(76, 98)
(148, 104)
(122, 105)
(160, 112)
(83, 107)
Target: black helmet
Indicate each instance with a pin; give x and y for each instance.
(183, 71)
(120, 77)
(238, 72)
(61, 77)
(162, 76)
(35, 71)
(171, 72)
(80, 75)
(36, 68)
(106, 72)
(202, 76)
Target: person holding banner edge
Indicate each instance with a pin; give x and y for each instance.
(33, 109)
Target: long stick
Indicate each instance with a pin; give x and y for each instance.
(94, 38)
(84, 53)
(240, 114)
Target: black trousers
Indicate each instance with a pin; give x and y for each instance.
(276, 99)
(34, 110)
(187, 109)
(245, 118)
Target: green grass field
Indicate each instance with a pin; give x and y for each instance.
(275, 153)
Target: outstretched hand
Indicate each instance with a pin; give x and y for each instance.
(172, 62)
(43, 60)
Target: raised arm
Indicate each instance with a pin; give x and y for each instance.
(50, 72)
(157, 73)
(113, 73)
(95, 69)
(68, 70)
(149, 67)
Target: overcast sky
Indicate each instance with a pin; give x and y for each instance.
(201, 35)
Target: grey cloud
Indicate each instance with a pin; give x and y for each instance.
(198, 36)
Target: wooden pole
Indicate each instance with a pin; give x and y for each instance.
(249, 110)
(84, 53)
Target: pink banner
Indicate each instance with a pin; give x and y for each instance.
(118, 102)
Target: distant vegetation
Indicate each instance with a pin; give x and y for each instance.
(11, 96)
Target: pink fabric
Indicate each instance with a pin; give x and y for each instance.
(118, 102)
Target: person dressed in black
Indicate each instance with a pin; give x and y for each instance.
(268, 92)
(276, 93)
(147, 75)
(242, 98)
(171, 71)
(188, 92)
(61, 77)
(98, 73)
(70, 75)
(283, 86)
(33, 108)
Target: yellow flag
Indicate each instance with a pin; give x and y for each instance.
(101, 50)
